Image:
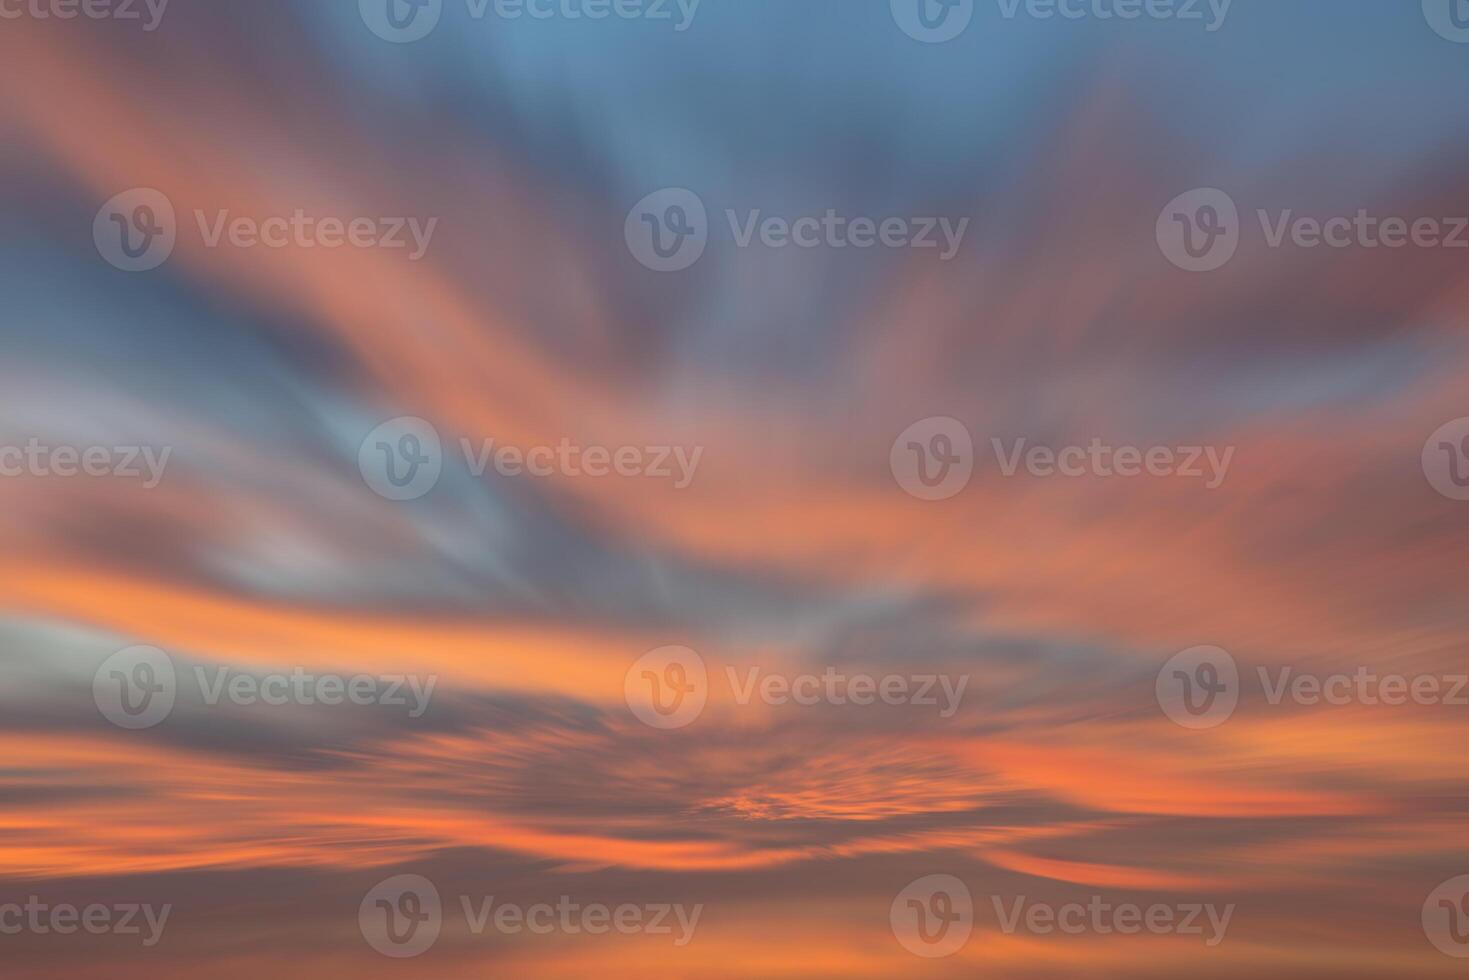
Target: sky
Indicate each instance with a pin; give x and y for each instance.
(746, 488)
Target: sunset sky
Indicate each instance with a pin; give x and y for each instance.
(782, 380)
